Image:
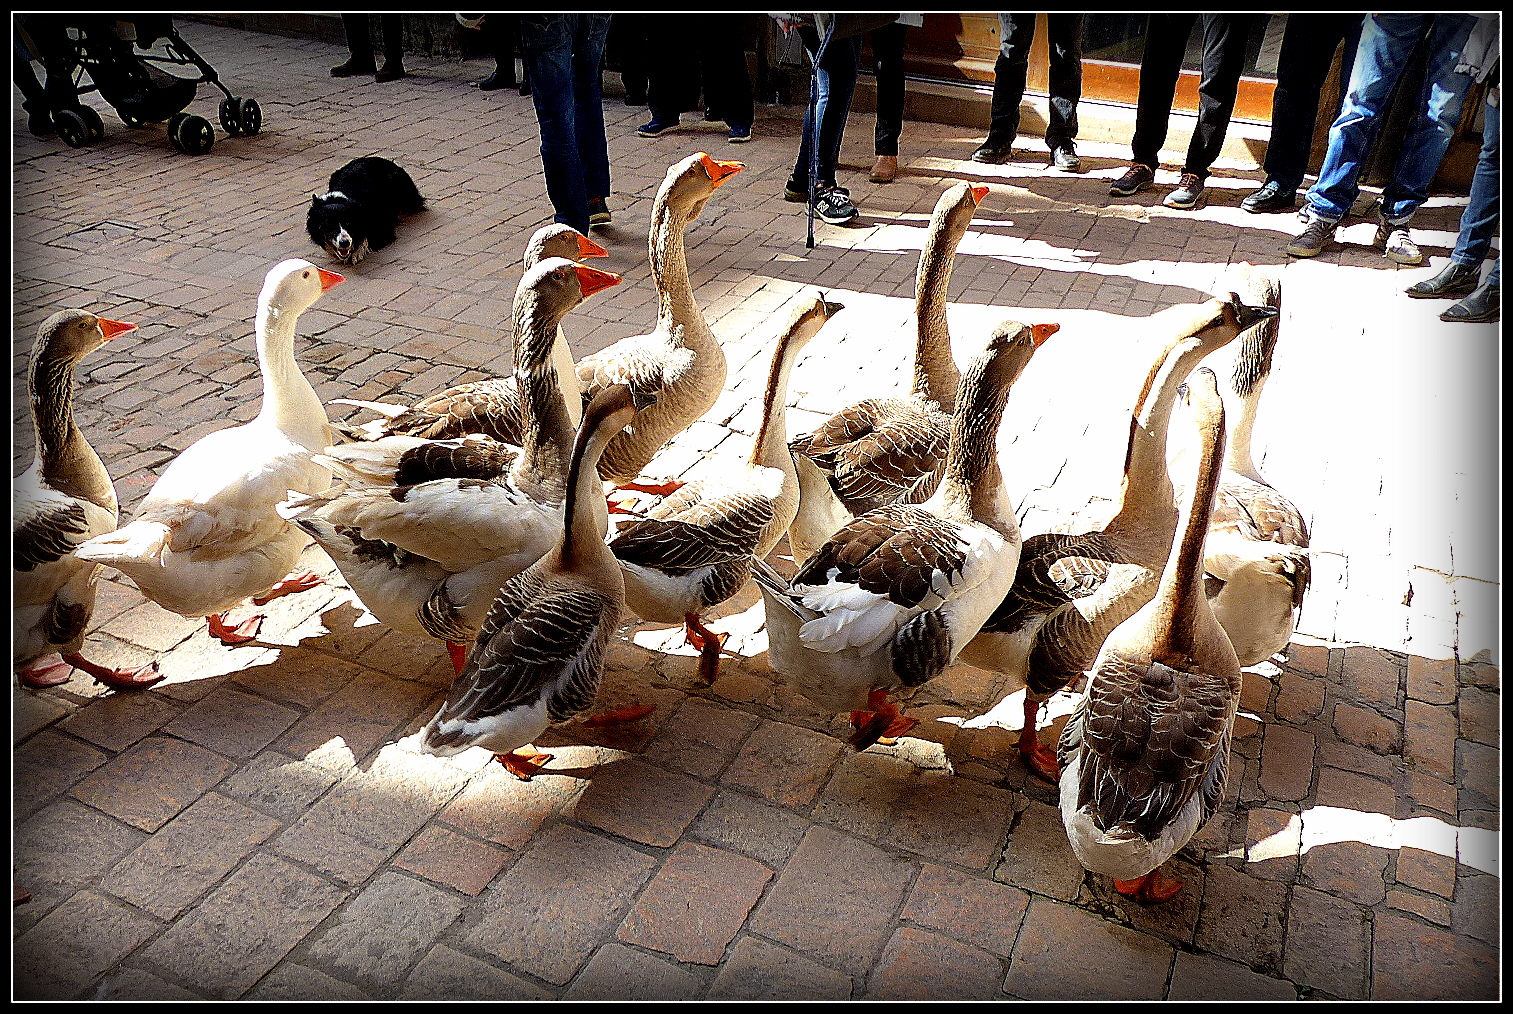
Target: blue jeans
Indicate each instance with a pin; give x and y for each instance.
(1478, 223)
(562, 54)
(1387, 45)
(835, 82)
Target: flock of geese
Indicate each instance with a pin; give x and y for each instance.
(480, 517)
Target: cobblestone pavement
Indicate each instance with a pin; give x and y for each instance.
(256, 827)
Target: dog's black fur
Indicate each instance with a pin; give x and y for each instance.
(358, 214)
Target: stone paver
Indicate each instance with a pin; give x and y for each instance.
(259, 826)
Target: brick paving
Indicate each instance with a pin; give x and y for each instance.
(257, 827)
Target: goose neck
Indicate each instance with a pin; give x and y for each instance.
(289, 402)
(677, 310)
(1180, 594)
(1147, 499)
(935, 374)
(771, 448)
(585, 517)
(972, 485)
(68, 463)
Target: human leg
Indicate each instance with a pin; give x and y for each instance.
(722, 67)
(1478, 223)
(672, 71)
(1308, 46)
(888, 65)
(359, 47)
(1064, 33)
(588, 111)
(392, 26)
(1160, 66)
(546, 46)
(1016, 33)
(835, 83)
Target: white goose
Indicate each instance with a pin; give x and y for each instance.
(62, 500)
(893, 596)
(679, 362)
(496, 407)
(890, 450)
(428, 555)
(207, 536)
(1071, 590)
(1145, 754)
(1257, 562)
(538, 658)
(695, 548)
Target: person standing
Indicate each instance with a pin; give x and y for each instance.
(1388, 42)
(1224, 38)
(685, 49)
(360, 47)
(888, 67)
(1016, 33)
(562, 54)
(1308, 45)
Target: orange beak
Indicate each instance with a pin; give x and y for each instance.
(593, 280)
(114, 328)
(329, 278)
(978, 193)
(1040, 332)
(588, 248)
(720, 171)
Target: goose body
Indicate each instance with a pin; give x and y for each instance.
(1145, 754)
(1257, 565)
(538, 658)
(64, 499)
(426, 536)
(207, 536)
(496, 408)
(1071, 590)
(885, 450)
(679, 363)
(890, 599)
(696, 547)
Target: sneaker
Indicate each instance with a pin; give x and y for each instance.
(598, 211)
(993, 152)
(1188, 193)
(833, 206)
(1271, 197)
(1397, 244)
(1064, 157)
(1314, 237)
(884, 169)
(1454, 280)
(795, 191)
(739, 135)
(1135, 179)
(656, 128)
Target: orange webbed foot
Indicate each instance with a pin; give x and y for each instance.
(620, 716)
(302, 581)
(709, 645)
(523, 765)
(117, 679)
(1040, 759)
(40, 677)
(884, 722)
(664, 488)
(232, 636)
(1151, 889)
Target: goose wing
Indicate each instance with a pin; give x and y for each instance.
(704, 533)
(47, 526)
(879, 451)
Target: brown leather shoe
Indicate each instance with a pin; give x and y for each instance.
(884, 169)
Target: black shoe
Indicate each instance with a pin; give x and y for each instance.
(389, 72)
(1482, 306)
(993, 152)
(656, 128)
(1064, 157)
(1454, 280)
(496, 81)
(1271, 197)
(352, 68)
(598, 211)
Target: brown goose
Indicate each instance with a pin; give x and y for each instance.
(892, 597)
(695, 548)
(1071, 590)
(1257, 563)
(428, 554)
(679, 363)
(1145, 754)
(495, 408)
(880, 451)
(62, 500)
(537, 660)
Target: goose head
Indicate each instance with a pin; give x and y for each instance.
(70, 335)
(958, 203)
(694, 180)
(558, 240)
(292, 287)
(547, 292)
(1009, 349)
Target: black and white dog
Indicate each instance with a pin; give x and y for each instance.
(358, 213)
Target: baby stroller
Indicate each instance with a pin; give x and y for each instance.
(131, 81)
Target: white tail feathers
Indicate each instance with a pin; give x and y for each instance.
(138, 542)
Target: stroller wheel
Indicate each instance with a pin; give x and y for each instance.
(92, 122)
(193, 135)
(71, 127)
(251, 116)
(231, 121)
(173, 126)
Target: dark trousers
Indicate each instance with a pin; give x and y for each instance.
(563, 54)
(1016, 33)
(1308, 46)
(888, 66)
(686, 49)
(835, 86)
(501, 34)
(1224, 37)
(360, 44)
